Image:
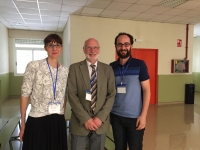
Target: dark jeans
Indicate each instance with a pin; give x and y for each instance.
(124, 132)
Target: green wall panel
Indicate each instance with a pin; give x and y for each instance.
(171, 88)
(196, 78)
(15, 84)
(4, 86)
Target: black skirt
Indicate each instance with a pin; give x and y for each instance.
(45, 133)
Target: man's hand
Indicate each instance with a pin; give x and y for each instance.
(97, 121)
(141, 122)
(90, 125)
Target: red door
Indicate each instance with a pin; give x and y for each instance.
(150, 56)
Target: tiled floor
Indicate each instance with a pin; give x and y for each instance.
(169, 127)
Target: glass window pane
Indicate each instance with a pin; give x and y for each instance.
(23, 58)
(29, 45)
(39, 54)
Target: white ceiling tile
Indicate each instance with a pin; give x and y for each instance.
(27, 0)
(183, 22)
(8, 9)
(32, 21)
(35, 28)
(52, 1)
(145, 16)
(75, 2)
(128, 15)
(52, 18)
(139, 8)
(37, 25)
(70, 9)
(126, 1)
(50, 29)
(160, 18)
(176, 19)
(91, 11)
(2, 19)
(63, 19)
(29, 11)
(148, 2)
(118, 6)
(98, 4)
(189, 5)
(7, 3)
(175, 11)
(49, 13)
(110, 13)
(20, 27)
(35, 17)
(157, 10)
(7, 25)
(50, 25)
(61, 25)
(77, 12)
(190, 14)
(49, 6)
(63, 22)
(10, 15)
(14, 20)
(50, 22)
(197, 9)
(15, 23)
(60, 29)
(64, 14)
(26, 4)
(191, 20)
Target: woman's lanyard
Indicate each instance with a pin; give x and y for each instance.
(123, 72)
(54, 83)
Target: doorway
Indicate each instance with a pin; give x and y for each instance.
(150, 56)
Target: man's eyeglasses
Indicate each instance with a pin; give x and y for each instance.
(121, 45)
(90, 48)
(56, 46)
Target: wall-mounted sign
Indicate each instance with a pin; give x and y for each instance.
(179, 43)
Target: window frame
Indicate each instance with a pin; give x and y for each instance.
(25, 49)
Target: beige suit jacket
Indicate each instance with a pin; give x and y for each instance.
(78, 83)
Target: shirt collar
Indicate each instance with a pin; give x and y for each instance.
(88, 63)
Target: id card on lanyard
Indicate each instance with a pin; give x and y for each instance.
(121, 88)
(54, 107)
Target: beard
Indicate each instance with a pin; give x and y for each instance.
(123, 56)
(91, 59)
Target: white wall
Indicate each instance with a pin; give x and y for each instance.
(66, 44)
(4, 53)
(161, 36)
(12, 34)
(196, 55)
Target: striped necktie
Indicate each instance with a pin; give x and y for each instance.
(93, 83)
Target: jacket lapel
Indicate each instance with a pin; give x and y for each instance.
(85, 74)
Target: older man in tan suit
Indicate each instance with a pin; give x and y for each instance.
(91, 93)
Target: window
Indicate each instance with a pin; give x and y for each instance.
(27, 50)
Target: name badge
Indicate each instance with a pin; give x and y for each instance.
(88, 95)
(54, 108)
(121, 88)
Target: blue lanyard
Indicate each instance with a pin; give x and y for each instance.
(123, 72)
(54, 83)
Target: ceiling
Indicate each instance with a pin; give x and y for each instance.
(52, 15)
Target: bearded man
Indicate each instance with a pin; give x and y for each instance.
(128, 115)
